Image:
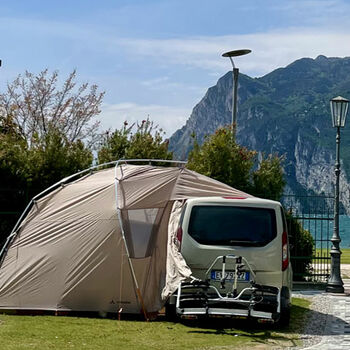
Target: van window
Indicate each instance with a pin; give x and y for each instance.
(229, 225)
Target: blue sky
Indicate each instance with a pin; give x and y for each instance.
(158, 58)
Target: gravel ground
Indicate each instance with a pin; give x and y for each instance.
(320, 307)
(316, 319)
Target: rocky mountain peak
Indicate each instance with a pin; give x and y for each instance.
(285, 112)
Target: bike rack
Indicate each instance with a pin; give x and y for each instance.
(199, 298)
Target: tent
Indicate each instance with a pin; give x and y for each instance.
(101, 241)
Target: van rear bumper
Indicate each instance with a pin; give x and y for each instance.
(226, 313)
(195, 299)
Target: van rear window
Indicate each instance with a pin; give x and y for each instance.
(229, 225)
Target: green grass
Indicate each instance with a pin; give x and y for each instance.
(345, 256)
(50, 332)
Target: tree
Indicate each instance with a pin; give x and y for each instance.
(37, 105)
(268, 178)
(54, 157)
(146, 143)
(221, 158)
(42, 129)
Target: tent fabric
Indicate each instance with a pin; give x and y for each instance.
(176, 267)
(69, 251)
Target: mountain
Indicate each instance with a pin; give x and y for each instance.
(285, 112)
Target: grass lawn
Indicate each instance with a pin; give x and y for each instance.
(345, 256)
(50, 332)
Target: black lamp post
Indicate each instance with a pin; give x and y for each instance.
(339, 109)
(235, 72)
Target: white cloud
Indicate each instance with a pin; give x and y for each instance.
(327, 33)
(270, 50)
(155, 81)
(166, 117)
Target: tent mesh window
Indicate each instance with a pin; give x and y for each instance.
(141, 226)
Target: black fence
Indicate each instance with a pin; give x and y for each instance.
(315, 214)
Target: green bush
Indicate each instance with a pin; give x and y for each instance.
(301, 248)
(222, 159)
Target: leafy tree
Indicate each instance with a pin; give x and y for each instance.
(146, 143)
(41, 131)
(53, 157)
(221, 158)
(37, 104)
(268, 178)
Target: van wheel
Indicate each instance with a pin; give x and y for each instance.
(285, 308)
(284, 319)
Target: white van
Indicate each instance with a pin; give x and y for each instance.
(237, 249)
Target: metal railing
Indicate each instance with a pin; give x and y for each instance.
(315, 215)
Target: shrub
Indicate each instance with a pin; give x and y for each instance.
(301, 248)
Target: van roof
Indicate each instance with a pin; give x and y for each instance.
(234, 200)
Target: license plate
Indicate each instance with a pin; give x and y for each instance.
(242, 276)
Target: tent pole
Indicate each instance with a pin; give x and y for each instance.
(38, 196)
(138, 292)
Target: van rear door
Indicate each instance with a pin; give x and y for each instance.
(220, 228)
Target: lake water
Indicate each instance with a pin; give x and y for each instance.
(323, 229)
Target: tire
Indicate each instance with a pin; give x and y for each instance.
(284, 318)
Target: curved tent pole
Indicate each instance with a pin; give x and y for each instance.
(13, 233)
(117, 181)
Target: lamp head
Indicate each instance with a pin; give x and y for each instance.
(235, 53)
(339, 110)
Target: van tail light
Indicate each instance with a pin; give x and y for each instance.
(179, 236)
(285, 257)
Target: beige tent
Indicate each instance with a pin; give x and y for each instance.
(101, 242)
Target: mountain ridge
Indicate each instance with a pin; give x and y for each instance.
(286, 112)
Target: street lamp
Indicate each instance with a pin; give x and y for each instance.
(339, 109)
(235, 72)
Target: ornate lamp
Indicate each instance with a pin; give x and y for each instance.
(339, 110)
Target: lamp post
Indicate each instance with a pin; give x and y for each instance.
(235, 72)
(339, 109)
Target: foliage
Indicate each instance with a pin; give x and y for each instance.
(301, 247)
(26, 171)
(41, 132)
(268, 178)
(37, 105)
(54, 157)
(146, 143)
(221, 158)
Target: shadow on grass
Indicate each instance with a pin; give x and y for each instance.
(266, 334)
(300, 318)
